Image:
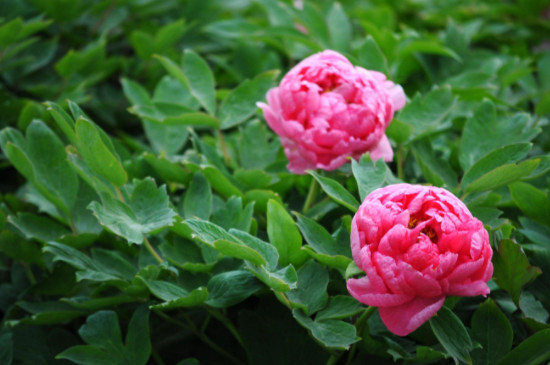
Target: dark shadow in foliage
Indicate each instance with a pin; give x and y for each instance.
(272, 336)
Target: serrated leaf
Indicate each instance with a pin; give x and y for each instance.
(428, 114)
(452, 334)
(504, 131)
(146, 209)
(240, 103)
(336, 191)
(284, 235)
(512, 269)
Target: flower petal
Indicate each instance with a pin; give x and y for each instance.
(406, 318)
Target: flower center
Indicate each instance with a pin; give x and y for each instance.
(428, 231)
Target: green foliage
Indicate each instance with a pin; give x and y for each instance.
(144, 201)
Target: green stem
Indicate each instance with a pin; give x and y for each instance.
(227, 323)
(190, 326)
(311, 195)
(333, 359)
(283, 299)
(29, 273)
(224, 148)
(119, 194)
(359, 326)
(152, 250)
(157, 357)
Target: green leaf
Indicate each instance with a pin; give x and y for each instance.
(146, 209)
(102, 334)
(220, 182)
(336, 191)
(370, 175)
(138, 342)
(231, 287)
(311, 293)
(38, 227)
(425, 46)
(340, 307)
(428, 114)
(239, 251)
(322, 246)
(524, 195)
(232, 214)
(284, 235)
(331, 333)
(207, 232)
(503, 175)
(339, 28)
(86, 355)
(268, 252)
(281, 280)
(63, 120)
(512, 269)
(503, 130)
(135, 93)
(452, 334)
(256, 151)
(97, 155)
(532, 308)
(493, 331)
(240, 103)
(503, 155)
(198, 198)
(174, 296)
(371, 56)
(200, 80)
(532, 351)
(195, 119)
(436, 170)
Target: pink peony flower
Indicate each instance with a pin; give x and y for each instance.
(416, 244)
(325, 110)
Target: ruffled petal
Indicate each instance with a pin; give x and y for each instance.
(404, 319)
(382, 150)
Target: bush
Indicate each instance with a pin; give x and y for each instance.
(147, 214)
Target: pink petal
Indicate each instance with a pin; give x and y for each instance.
(362, 290)
(406, 318)
(469, 289)
(382, 150)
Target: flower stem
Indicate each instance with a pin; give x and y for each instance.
(227, 323)
(311, 195)
(359, 325)
(152, 250)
